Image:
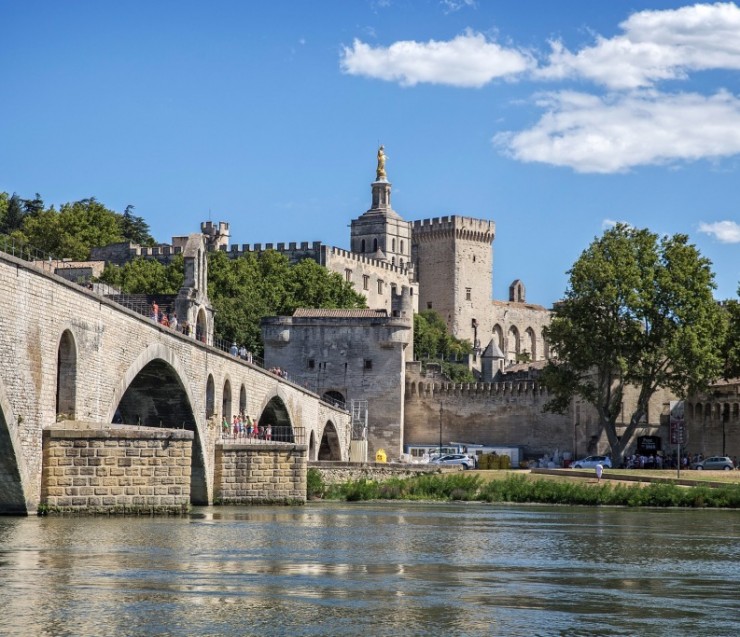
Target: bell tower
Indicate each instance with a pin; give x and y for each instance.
(380, 233)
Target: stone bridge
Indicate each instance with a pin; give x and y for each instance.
(70, 357)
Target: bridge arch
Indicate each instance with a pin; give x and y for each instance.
(334, 397)
(155, 392)
(330, 449)
(66, 396)
(14, 494)
(275, 413)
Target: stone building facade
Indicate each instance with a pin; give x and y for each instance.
(347, 355)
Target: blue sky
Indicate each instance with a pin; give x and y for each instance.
(554, 119)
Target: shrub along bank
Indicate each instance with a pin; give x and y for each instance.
(522, 489)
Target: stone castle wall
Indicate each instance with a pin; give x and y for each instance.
(501, 414)
(260, 474)
(122, 470)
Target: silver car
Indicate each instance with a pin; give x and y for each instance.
(721, 463)
(591, 461)
(455, 458)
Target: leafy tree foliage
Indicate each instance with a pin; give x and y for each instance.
(432, 340)
(246, 289)
(146, 276)
(243, 290)
(13, 214)
(74, 230)
(134, 228)
(732, 344)
(638, 311)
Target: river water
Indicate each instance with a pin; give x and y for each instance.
(374, 569)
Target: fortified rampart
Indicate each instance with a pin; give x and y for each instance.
(503, 414)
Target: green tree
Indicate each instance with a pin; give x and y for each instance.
(638, 312)
(12, 218)
(732, 343)
(134, 228)
(245, 290)
(146, 276)
(432, 340)
(33, 206)
(73, 231)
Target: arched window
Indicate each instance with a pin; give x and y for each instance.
(531, 340)
(512, 344)
(401, 250)
(362, 246)
(393, 245)
(375, 245)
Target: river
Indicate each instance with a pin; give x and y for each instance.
(374, 569)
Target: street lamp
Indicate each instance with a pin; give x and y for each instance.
(440, 428)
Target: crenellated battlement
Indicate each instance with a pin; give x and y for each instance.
(454, 226)
(361, 258)
(293, 250)
(154, 252)
(423, 390)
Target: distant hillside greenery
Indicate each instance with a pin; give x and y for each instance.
(434, 343)
(243, 290)
(73, 230)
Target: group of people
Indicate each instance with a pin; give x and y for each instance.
(651, 461)
(171, 321)
(244, 426)
(240, 352)
(283, 373)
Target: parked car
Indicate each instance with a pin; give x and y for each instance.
(455, 458)
(721, 463)
(591, 461)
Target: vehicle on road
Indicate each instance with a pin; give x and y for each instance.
(455, 459)
(591, 461)
(715, 463)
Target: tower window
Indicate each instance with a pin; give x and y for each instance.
(468, 292)
(375, 245)
(348, 275)
(429, 305)
(365, 282)
(367, 363)
(393, 245)
(401, 250)
(311, 363)
(380, 287)
(362, 246)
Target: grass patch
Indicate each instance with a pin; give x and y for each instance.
(526, 489)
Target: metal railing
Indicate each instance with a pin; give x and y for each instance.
(265, 435)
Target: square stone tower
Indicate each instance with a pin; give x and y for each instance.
(453, 262)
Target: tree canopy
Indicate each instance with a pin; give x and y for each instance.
(638, 312)
(732, 343)
(432, 340)
(73, 230)
(243, 290)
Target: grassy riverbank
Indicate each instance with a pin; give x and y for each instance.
(467, 486)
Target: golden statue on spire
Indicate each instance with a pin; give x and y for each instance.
(380, 173)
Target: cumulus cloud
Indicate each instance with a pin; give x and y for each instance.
(723, 231)
(615, 133)
(469, 60)
(654, 46)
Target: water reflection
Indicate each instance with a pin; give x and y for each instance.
(377, 569)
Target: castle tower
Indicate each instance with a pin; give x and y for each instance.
(453, 259)
(380, 233)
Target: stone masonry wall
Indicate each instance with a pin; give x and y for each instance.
(260, 474)
(338, 472)
(116, 470)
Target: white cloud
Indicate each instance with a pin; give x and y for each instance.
(655, 45)
(615, 133)
(451, 6)
(723, 231)
(469, 60)
(606, 224)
